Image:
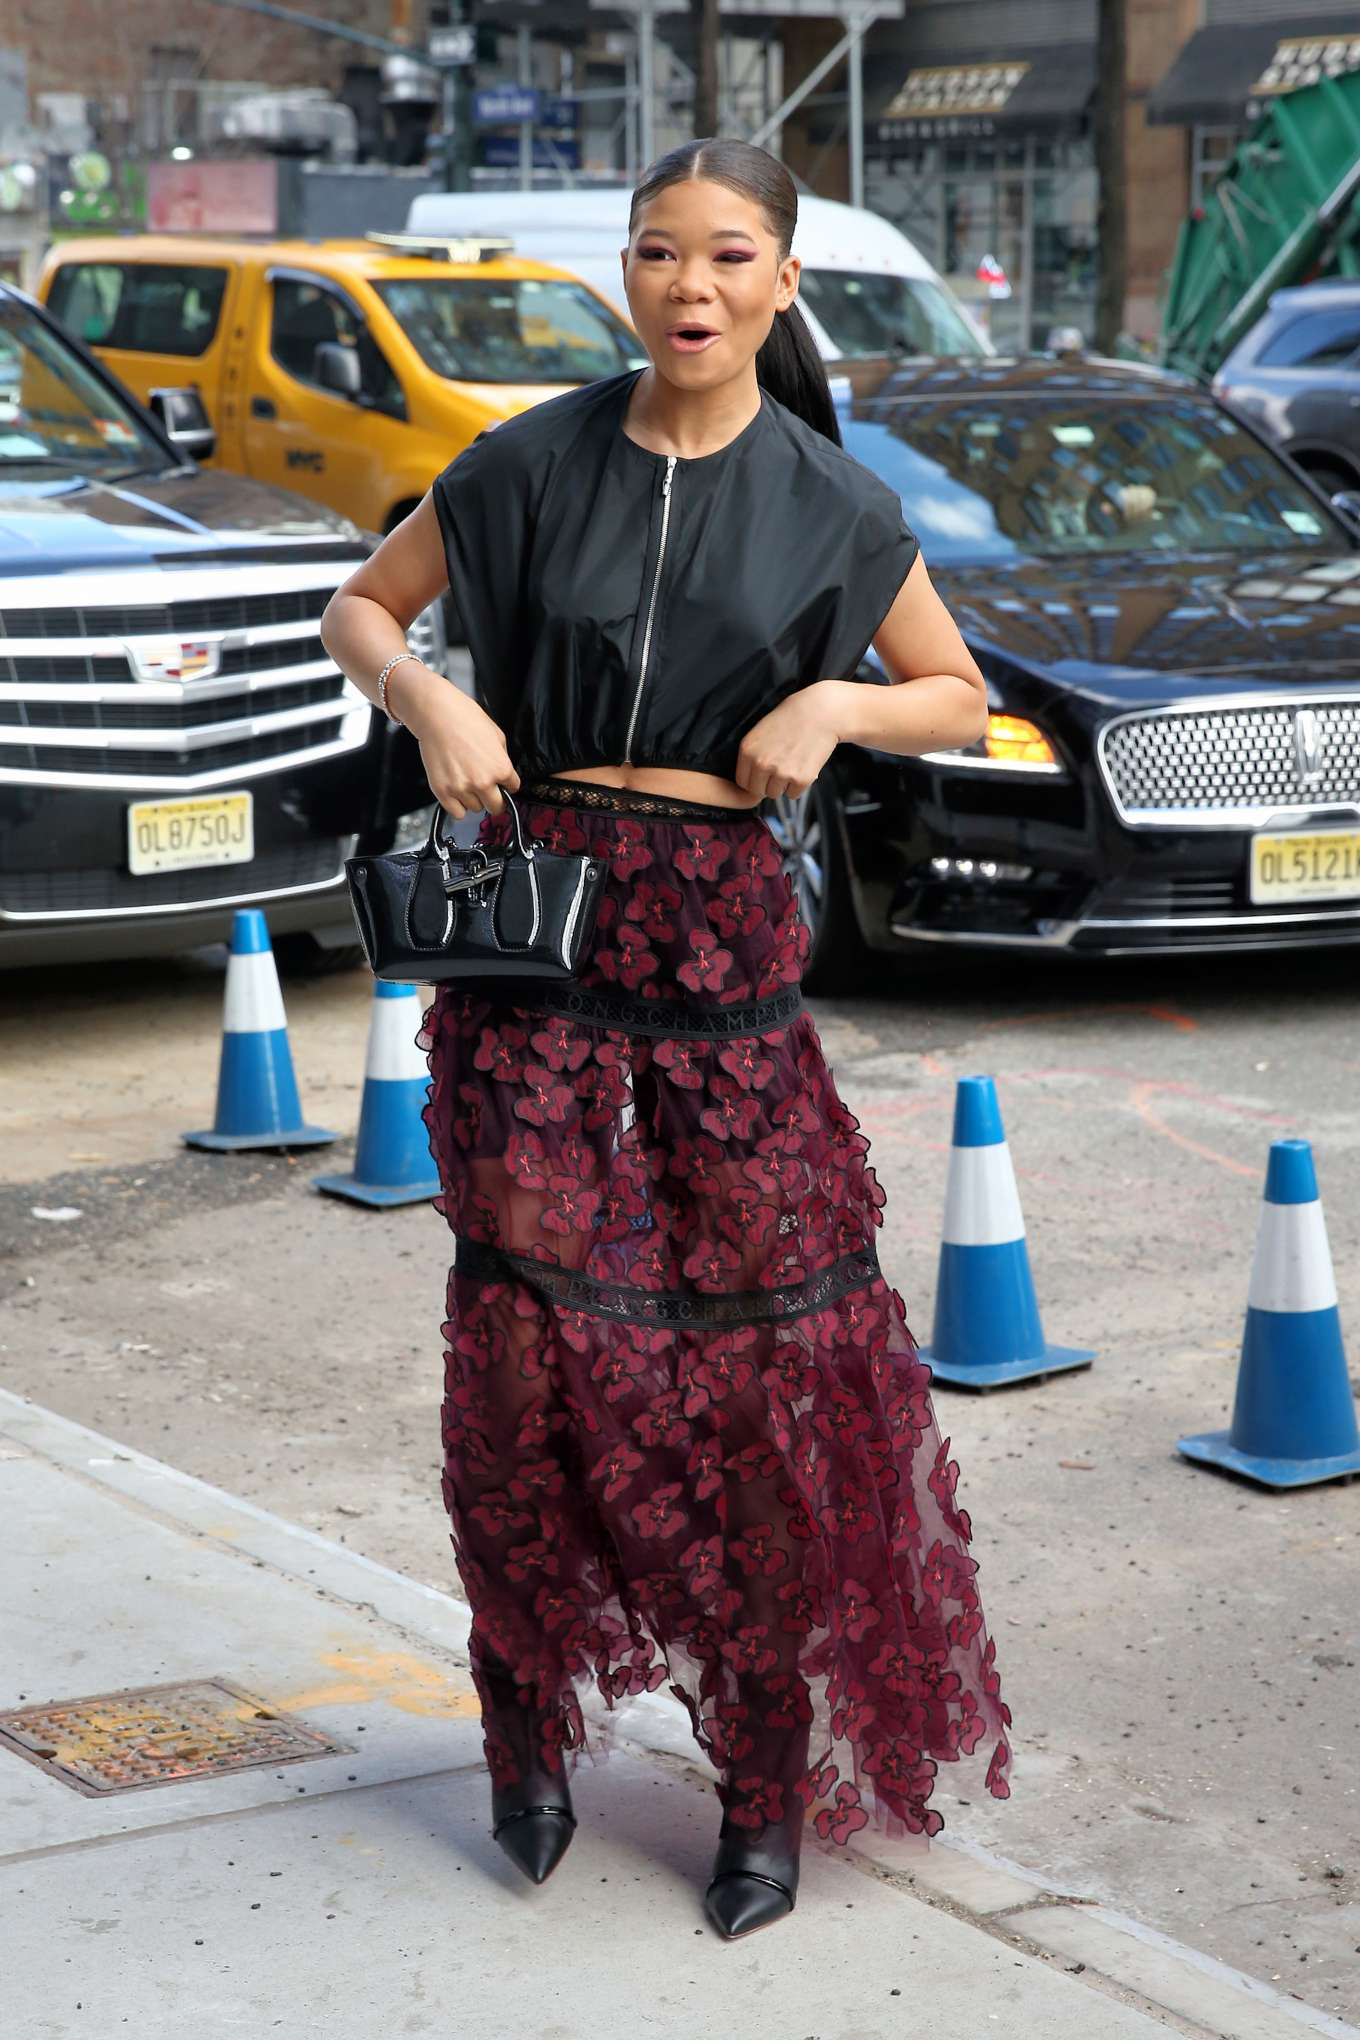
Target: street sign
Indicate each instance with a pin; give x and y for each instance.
(501, 152)
(559, 110)
(456, 44)
(499, 104)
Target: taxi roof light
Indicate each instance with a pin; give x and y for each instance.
(447, 247)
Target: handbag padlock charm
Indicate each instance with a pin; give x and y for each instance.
(472, 880)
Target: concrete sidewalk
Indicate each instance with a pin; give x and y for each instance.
(358, 1893)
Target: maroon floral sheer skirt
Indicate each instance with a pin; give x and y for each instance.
(688, 1440)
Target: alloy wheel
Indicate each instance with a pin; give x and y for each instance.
(797, 826)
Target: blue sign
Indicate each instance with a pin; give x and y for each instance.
(501, 152)
(499, 104)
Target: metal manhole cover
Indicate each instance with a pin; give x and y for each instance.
(158, 1735)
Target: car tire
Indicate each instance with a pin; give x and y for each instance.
(1331, 480)
(302, 955)
(808, 829)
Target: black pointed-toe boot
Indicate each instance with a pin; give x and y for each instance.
(755, 1875)
(532, 1816)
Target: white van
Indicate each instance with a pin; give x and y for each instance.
(864, 290)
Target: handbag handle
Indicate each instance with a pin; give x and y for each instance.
(435, 845)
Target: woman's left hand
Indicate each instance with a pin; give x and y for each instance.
(786, 749)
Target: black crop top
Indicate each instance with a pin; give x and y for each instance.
(629, 607)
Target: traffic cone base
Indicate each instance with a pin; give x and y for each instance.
(987, 1329)
(257, 1096)
(1215, 1448)
(1293, 1419)
(392, 1162)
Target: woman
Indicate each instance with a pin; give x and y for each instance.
(688, 1438)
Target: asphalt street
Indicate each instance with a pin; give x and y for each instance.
(1179, 1649)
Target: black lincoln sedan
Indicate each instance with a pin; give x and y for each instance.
(1167, 613)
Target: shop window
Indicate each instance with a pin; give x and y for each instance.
(1211, 149)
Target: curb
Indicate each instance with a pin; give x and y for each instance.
(1110, 1952)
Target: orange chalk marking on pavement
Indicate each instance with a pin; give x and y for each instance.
(1166, 1014)
(1141, 1097)
(407, 1682)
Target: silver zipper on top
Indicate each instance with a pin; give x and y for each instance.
(671, 459)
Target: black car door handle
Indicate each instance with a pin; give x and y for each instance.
(263, 407)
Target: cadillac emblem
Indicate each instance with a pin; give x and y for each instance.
(173, 658)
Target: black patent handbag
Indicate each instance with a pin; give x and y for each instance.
(448, 910)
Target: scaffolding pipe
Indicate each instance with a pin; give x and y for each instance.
(854, 33)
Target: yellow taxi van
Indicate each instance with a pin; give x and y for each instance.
(349, 371)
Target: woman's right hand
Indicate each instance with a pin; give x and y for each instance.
(462, 749)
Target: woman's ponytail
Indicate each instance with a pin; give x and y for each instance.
(789, 364)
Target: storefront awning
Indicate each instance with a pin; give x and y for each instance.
(1222, 70)
(970, 96)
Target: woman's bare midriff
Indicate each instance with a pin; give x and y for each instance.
(682, 784)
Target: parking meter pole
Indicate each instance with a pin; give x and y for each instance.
(525, 73)
(646, 22)
(449, 114)
(456, 80)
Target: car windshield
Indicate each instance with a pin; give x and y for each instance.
(865, 314)
(57, 419)
(521, 330)
(1010, 477)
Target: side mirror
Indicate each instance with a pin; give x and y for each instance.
(336, 368)
(185, 422)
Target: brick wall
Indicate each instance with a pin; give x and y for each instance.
(1158, 158)
(103, 47)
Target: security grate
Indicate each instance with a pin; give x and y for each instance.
(1233, 765)
(139, 1736)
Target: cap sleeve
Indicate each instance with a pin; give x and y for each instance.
(878, 551)
(482, 502)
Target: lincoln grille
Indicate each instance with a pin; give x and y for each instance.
(1232, 764)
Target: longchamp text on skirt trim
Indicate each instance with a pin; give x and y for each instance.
(688, 1439)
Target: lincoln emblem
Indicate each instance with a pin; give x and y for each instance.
(1307, 743)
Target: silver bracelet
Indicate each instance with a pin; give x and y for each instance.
(382, 683)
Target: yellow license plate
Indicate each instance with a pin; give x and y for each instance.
(177, 835)
(1324, 865)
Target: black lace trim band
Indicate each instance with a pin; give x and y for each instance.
(673, 1018)
(627, 800)
(625, 1301)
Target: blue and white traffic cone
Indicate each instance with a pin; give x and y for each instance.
(257, 1096)
(1293, 1420)
(987, 1328)
(392, 1162)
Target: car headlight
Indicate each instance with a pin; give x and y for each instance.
(1010, 742)
(412, 829)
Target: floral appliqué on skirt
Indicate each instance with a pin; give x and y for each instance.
(688, 1439)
